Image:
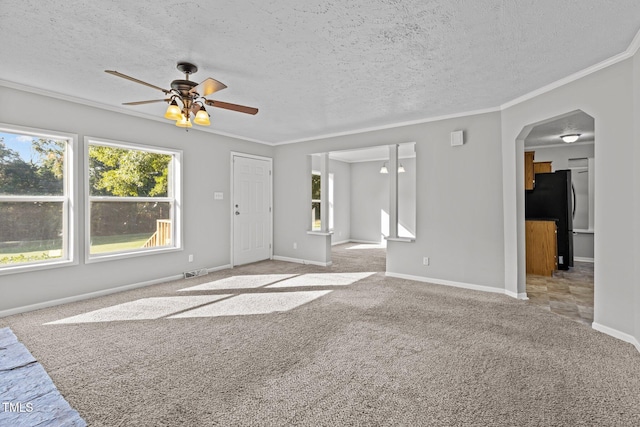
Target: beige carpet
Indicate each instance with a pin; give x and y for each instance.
(378, 351)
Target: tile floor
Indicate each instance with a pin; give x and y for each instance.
(567, 293)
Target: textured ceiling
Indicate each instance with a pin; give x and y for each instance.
(549, 132)
(312, 67)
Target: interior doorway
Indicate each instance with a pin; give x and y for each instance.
(359, 197)
(568, 289)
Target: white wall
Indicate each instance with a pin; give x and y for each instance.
(206, 222)
(458, 202)
(407, 199)
(370, 196)
(370, 201)
(635, 228)
(606, 95)
(341, 200)
(559, 155)
(459, 206)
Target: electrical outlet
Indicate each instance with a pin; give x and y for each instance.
(191, 258)
(425, 260)
(295, 245)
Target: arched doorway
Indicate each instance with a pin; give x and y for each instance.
(559, 177)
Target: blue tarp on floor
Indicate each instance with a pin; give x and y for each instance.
(28, 397)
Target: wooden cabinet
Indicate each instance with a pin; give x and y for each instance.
(541, 167)
(531, 168)
(528, 170)
(541, 247)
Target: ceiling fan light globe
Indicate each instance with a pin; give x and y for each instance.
(184, 122)
(173, 111)
(202, 118)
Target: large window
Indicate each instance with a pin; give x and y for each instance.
(36, 204)
(133, 199)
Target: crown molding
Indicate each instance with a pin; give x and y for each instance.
(628, 53)
(390, 126)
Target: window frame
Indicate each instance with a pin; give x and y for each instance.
(68, 200)
(174, 198)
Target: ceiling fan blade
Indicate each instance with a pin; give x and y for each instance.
(234, 107)
(124, 76)
(195, 107)
(146, 102)
(208, 86)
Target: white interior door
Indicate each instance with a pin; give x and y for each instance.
(251, 210)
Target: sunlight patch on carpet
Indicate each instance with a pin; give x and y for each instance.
(142, 309)
(247, 304)
(322, 279)
(240, 282)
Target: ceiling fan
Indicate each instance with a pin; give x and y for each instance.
(187, 98)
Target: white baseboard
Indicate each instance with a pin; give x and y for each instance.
(361, 242)
(222, 267)
(301, 261)
(522, 295)
(365, 242)
(583, 259)
(617, 334)
(446, 283)
(60, 301)
(341, 242)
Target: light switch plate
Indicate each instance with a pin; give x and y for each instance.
(218, 195)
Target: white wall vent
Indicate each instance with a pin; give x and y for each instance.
(196, 273)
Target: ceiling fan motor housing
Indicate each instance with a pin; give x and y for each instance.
(183, 86)
(187, 67)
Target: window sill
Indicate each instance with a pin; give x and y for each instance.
(124, 255)
(319, 233)
(401, 239)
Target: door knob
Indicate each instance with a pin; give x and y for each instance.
(237, 213)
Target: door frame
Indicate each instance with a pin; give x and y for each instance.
(234, 154)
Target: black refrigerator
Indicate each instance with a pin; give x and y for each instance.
(551, 198)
